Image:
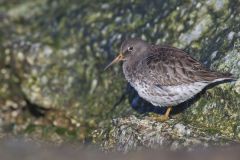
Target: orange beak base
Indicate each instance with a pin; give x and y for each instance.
(116, 60)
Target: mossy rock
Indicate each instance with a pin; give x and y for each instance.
(53, 54)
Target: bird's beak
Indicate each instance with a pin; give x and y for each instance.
(116, 60)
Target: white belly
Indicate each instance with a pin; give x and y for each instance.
(168, 95)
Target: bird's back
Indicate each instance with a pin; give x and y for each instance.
(169, 66)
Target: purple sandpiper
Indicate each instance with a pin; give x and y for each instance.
(164, 75)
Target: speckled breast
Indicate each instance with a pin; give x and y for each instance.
(167, 95)
(161, 95)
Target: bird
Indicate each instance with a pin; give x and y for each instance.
(163, 75)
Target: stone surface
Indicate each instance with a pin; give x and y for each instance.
(132, 133)
(53, 53)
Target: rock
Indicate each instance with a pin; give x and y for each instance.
(216, 110)
(132, 133)
(53, 54)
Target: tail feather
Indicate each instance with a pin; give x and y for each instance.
(224, 77)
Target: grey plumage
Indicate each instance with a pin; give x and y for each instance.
(164, 75)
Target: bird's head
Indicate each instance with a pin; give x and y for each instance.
(130, 48)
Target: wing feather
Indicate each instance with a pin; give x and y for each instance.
(168, 66)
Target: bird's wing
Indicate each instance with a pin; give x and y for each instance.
(168, 66)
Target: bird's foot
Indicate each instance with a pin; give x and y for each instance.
(160, 118)
(157, 117)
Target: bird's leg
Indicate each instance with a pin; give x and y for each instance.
(161, 118)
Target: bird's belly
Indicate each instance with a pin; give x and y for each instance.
(168, 95)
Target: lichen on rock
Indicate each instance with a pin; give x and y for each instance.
(53, 54)
(132, 133)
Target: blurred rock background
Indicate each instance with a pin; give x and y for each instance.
(53, 87)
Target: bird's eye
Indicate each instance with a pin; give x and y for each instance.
(130, 49)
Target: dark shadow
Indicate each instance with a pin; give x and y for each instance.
(142, 106)
(35, 109)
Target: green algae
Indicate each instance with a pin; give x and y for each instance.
(57, 51)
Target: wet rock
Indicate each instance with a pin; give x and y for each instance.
(132, 133)
(53, 54)
(215, 111)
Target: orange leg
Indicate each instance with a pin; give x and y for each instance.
(161, 118)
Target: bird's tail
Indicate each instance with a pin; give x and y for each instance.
(224, 77)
